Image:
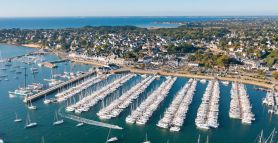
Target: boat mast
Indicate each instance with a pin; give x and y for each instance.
(198, 139)
(261, 136)
(108, 135)
(270, 136)
(25, 75)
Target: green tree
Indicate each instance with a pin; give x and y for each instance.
(275, 75)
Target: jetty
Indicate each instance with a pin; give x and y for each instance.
(52, 64)
(55, 88)
(89, 122)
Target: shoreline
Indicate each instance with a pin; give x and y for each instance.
(230, 79)
(140, 71)
(35, 46)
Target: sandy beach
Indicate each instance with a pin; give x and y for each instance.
(37, 46)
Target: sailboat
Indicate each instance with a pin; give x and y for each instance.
(1, 141)
(57, 121)
(2, 61)
(46, 101)
(31, 107)
(17, 119)
(270, 137)
(260, 140)
(146, 140)
(198, 139)
(113, 139)
(79, 124)
(30, 124)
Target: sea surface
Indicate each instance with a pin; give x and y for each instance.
(74, 22)
(229, 131)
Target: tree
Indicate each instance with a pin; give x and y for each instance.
(275, 75)
(272, 58)
(222, 60)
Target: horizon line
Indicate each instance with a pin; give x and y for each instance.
(139, 16)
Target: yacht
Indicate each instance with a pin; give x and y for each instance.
(46, 101)
(203, 81)
(202, 126)
(226, 83)
(57, 121)
(175, 129)
(79, 124)
(17, 119)
(112, 139)
(12, 95)
(32, 107)
(30, 124)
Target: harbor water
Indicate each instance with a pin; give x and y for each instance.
(229, 131)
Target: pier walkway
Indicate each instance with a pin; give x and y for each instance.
(55, 88)
(90, 122)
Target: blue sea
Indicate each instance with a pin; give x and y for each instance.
(74, 22)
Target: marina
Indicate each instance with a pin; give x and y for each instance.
(240, 107)
(175, 114)
(164, 107)
(55, 88)
(116, 107)
(145, 110)
(73, 90)
(207, 116)
(271, 100)
(89, 101)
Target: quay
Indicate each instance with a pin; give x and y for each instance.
(52, 64)
(55, 88)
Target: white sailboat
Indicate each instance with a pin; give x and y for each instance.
(29, 123)
(46, 101)
(1, 141)
(57, 121)
(17, 119)
(79, 124)
(31, 107)
(112, 139)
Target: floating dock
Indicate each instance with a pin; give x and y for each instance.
(91, 122)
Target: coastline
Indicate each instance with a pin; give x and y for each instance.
(36, 46)
(139, 71)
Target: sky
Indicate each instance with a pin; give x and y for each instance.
(65, 8)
